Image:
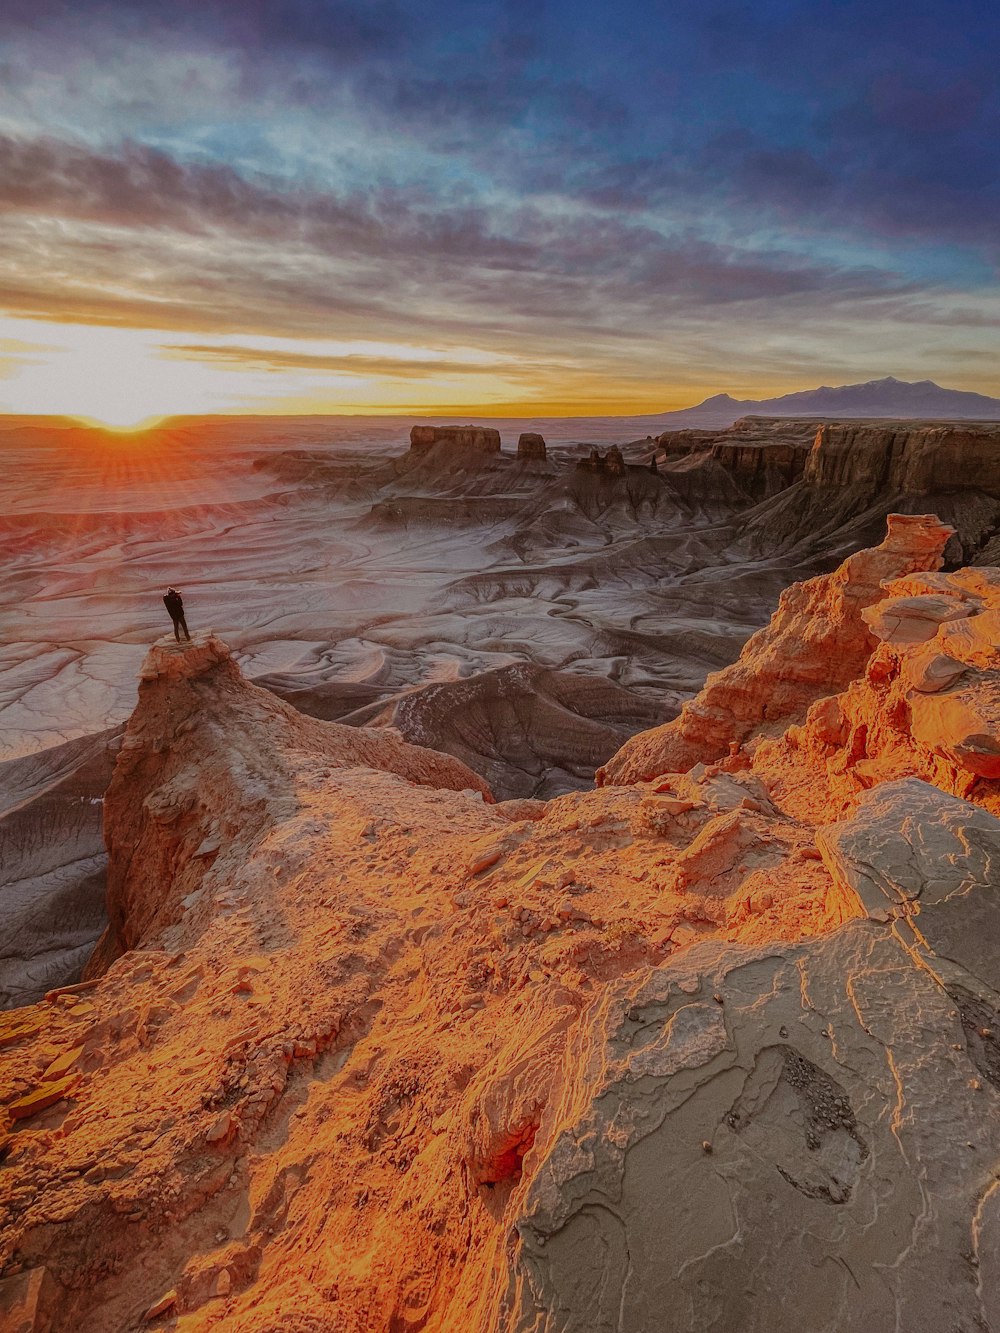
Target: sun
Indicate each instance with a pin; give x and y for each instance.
(115, 425)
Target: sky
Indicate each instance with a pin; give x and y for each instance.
(538, 207)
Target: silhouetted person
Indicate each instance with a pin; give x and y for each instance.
(174, 603)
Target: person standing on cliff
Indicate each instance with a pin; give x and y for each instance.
(174, 603)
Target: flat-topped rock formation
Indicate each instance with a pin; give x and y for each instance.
(914, 460)
(610, 464)
(855, 474)
(762, 456)
(531, 446)
(704, 1051)
(480, 439)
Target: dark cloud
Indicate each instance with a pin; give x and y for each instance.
(255, 358)
(343, 30)
(298, 256)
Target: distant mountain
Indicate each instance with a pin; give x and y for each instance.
(923, 400)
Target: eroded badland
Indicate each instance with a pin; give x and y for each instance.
(706, 1045)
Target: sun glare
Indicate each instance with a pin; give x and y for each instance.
(115, 426)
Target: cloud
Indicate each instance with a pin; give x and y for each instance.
(248, 358)
(138, 237)
(547, 181)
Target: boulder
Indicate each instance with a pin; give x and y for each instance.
(962, 724)
(929, 670)
(905, 620)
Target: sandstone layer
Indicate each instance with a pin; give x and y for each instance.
(717, 1050)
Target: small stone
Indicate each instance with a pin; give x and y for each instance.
(223, 1283)
(220, 1129)
(166, 1302)
(62, 1064)
(484, 862)
(40, 1099)
(706, 1146)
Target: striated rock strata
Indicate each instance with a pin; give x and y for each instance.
(702, 1052)
(855, 474)
(529, 732)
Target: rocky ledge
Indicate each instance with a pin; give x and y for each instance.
(706, 1049)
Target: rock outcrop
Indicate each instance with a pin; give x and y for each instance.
(770, 1132)
(927, 703)
(172, 824)
(855, 474)
(611, 464)
(914, 460)
(477, 439)
(531, 447)
(817, 642)
(703, 1052)
(762, 456)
